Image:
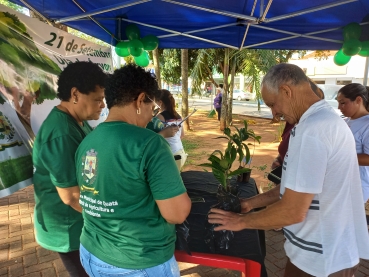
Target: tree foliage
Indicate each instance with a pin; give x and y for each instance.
(170, 64)
(13, 6)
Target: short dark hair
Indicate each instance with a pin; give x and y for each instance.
(352, 91)
(126, 83)
(84, 76)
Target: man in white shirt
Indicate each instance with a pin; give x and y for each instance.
(319, 203)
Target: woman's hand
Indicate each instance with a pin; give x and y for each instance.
(276, 162)
(169, 131)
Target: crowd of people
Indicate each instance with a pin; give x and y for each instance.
(107, 200)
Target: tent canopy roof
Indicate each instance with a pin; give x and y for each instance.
(266, 24)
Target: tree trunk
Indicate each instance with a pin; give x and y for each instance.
(155, 55)
(184, 67)
(230, 106)
(223, 117)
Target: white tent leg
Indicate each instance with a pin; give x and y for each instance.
(365, 81)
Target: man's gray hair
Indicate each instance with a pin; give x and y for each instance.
(283, 73)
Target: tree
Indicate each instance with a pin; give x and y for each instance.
(14, 6)
(184, 66)
(156, 58)
(170, 64)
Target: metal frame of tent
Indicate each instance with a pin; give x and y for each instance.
(249, 21)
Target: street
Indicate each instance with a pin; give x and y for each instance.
(249, 108)
(239, 107)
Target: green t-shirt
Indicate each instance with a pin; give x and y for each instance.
(122, 169)
(155, 125)
(58, 226)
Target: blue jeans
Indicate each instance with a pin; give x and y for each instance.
(97, 268)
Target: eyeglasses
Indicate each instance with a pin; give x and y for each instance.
(156, 109)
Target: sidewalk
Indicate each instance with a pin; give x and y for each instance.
(20, 255)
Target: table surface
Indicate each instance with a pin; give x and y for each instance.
(249, 244)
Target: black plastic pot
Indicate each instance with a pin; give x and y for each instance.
(228, 201)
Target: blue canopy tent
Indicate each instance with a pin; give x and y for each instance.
(278, 24)
(237, 24)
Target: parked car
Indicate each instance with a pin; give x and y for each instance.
(330, 95)
(243, 95)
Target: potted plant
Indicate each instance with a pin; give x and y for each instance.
(221, 163)
(227, 194)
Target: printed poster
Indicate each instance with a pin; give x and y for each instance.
(32, 54)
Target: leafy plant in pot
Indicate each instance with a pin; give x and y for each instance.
(227, 194)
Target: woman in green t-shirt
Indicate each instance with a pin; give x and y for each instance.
(57, 217)
(132, 194)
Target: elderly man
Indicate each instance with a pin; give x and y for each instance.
(319, 202)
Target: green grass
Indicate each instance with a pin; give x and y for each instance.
(189, 145)
(13, 171)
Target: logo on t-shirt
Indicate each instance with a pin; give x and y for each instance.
(89, 170)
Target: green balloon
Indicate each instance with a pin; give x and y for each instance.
(340, 58)
(143, 60)
(132, 32)
(135, 48)
(352, 31)
(351, 47)
(364, 52)
(122, 49)
(150, 42)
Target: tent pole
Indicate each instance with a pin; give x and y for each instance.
(95, 21)
(102, 10)
(318, 8)
(266, 11)
(181, 34)
(222, 12)
(248, 24)
(365, 81)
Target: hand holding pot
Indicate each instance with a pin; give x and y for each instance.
(226, 220)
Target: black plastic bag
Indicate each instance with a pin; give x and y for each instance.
(228, 201)
(183, 232)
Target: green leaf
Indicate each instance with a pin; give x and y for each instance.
(239, 171)
(222, 137)
(227, 132)
(206, 165)
(213, 158)
(218, 151)
(221, 177)
(233, 154)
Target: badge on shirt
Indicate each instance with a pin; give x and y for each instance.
(89, 170)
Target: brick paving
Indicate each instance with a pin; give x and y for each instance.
(21, 256)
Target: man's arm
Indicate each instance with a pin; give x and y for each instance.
(291, 209)
(260, 200)
(70, 197)
(363, 159)
(175, 210)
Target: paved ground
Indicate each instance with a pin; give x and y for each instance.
(21, 256)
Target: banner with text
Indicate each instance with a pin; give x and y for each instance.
(32, 54)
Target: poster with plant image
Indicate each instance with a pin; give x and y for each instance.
(32, 54)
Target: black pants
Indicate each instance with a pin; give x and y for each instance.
(72, 263)
(219, 111)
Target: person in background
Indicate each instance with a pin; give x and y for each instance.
(158, 126)
(169, 116)
(319, 203)
(135, 195)
(353, 102)
(57, 217)
(218, 101)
